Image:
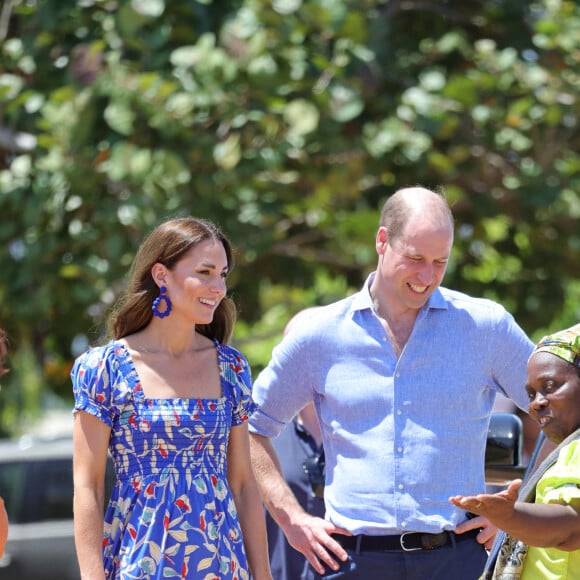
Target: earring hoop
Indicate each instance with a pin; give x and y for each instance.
(161, 300)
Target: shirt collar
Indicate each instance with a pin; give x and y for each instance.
(363, 300)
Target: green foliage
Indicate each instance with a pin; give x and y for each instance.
(288, 123)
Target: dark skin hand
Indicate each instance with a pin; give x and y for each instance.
(551, 525)
(496, 506)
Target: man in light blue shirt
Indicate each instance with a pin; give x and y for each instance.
(403, 375)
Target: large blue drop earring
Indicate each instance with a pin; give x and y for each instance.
(163, 297)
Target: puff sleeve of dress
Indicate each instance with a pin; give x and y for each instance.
(99, 382)
(236, 372)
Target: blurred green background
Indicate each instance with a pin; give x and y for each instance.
(288, 123)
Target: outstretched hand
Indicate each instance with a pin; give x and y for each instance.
(496, 507)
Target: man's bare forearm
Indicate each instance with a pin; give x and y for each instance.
(276, 495)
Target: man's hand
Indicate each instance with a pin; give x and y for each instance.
(487, 530)
(312, 536)
(308, 534)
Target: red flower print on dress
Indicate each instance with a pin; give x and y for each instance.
(183, 503)
(236, 368)
(162, 448)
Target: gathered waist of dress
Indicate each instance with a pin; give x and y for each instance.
(169, 471)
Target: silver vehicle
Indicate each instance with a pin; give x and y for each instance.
(36, 484)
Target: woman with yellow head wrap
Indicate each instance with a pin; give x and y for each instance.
(542, 521)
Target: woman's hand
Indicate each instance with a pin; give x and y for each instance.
(497, 507)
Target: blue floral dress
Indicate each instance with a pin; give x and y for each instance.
(171, 512)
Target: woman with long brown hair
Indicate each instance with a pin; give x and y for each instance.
(168, 398)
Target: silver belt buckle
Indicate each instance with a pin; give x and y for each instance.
(402, 542)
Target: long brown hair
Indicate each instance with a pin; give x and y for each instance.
(167, 244)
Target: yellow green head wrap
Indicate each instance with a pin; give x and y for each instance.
(564, 344)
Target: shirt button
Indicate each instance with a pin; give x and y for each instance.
(398, 375)
(399, 411)
(401, 486)
(400, 449)
(403, 524)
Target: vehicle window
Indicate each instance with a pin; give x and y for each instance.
(12, 488)
(36, 491)
(55, 489)
(41, 490)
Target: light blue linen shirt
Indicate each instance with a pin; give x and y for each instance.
(400, 436)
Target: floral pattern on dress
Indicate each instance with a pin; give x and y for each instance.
(171, 512)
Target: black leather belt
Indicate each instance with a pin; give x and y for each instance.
(407, 542)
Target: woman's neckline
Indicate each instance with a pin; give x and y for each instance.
(140, 391)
